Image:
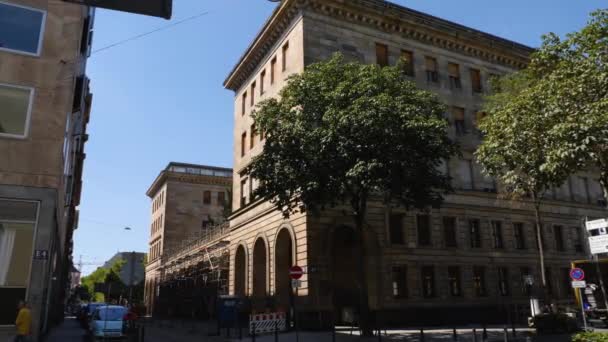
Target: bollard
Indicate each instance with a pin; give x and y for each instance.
(276, 331)
(474, 335)
(513, 330)
(484, 335)
(506, 335)
(421, 335)
(333, 334)
(454, 335)
(253, 332)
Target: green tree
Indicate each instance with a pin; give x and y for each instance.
(574, 78)
(107, 276)
(516, 144)
(347, 133)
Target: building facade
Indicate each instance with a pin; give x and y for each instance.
(463, 262)
(187, 200)
(44, 110)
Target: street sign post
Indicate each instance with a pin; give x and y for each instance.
(295, 273)
(598, 244)
(578, 282)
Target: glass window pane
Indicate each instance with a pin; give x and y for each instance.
(14, 104)
(20, 28)
(16, 243)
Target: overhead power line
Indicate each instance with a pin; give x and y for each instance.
(150, 32)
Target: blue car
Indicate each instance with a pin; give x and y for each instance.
(108, 321)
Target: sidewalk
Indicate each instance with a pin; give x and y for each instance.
(69, 330)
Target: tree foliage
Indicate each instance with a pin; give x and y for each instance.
(340, 132)
(104, 275)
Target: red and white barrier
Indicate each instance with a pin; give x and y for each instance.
(267, 322)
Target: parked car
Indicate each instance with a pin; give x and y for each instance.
(87, 312)
(108, 321)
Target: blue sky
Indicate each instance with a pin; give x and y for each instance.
(160, 98)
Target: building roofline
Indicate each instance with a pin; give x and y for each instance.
(162, 176)
(382, 6)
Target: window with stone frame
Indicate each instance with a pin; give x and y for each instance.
(221, 198)
(432, 75)
(479, 281)
(458, 119)
(262, 82)
(519, 235)
(497, 234)
(396, 229)
(253, 136)
(549, 280)
(454, 75)
(15, 104)
(558, 234)
(476, 86)
(244, 104)
(253, 86)
(206, 197)
(381, 54)
(273, 69)
(449, 232)
(526, 287)
(423, 228)
(21, 29)
(428, 281)
(578, 239)
(243, 192)
(474, 233)
(399, 281)
(503, 281)
(454, 281)
(243, 144)
(566, 282)
(407, 60)
(284, 55)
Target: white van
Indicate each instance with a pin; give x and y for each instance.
(107, 321)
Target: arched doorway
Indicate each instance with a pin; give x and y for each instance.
(240, 272)
(343, 272)
(260, 271)
(283, 260)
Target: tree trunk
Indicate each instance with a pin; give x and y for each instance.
(539, 239)
(364, 311)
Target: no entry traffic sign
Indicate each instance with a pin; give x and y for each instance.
(577, 274)
(295, 272)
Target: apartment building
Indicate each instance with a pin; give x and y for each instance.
(44, 110)
(187, 200)
(463, 262)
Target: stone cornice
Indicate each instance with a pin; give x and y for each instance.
(387, 17)
(166, 176)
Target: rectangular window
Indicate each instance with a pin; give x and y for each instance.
(207, 197)
(479, 116)
(244, 104)
(476, 81)
(503, 281)
(396, 229)
(428, 281)
(253, 85)
(458, 117)
(449, 232)
(497, 234)
(520, 237)
(454, 281)
(474, 233)
(21, 29)
(432, 76)
(262, 80)
(479, 281)
(578, 239)
(285, 50)
(243, 144)
(381, 54)
(566, 282)
(243, 192)
(423, 227)
(16, 106)
(454, 73)
(407, 58)
(548, 278)
(526, 279)
(584, 181)
(559, 237)
(399, 281)
(221, 198)
(465, 173)
(253, 137)
(273, 68)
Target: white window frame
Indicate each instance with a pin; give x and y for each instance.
(41, 36)
(28, 115)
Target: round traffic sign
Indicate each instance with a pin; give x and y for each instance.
(295, 272)
(577, 274)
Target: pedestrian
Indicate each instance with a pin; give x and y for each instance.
(23, 322)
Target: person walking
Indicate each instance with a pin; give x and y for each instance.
(23, 322)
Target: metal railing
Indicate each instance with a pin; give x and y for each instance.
(205, 238)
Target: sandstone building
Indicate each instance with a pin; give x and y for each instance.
(463, 262)
(44, 110)
(187, 201)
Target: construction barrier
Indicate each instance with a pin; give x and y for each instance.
(267, 322)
